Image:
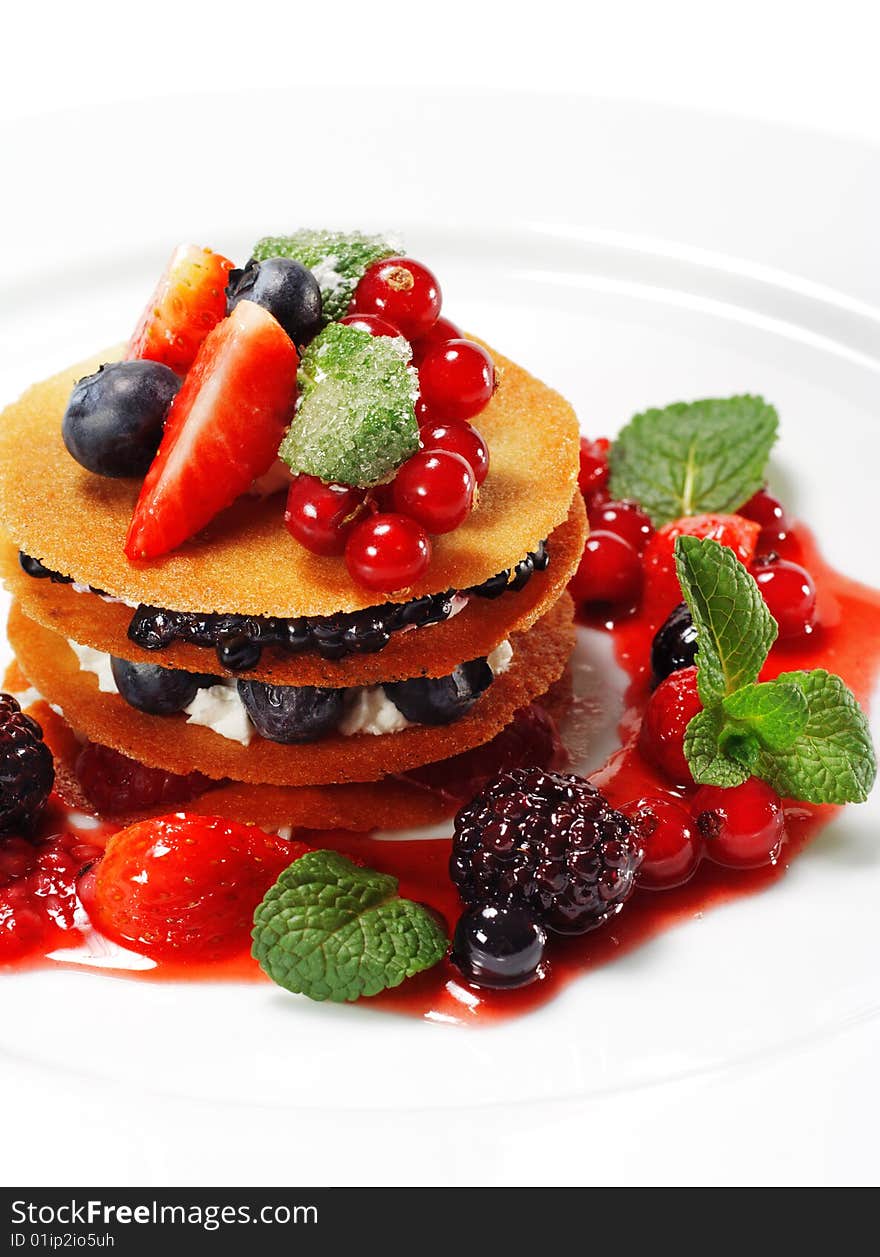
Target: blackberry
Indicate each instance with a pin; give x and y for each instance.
(675, 644)
(547, 840)
(27, 772)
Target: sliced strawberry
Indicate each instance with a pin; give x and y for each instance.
(190, 300)
(186, 886)
(662, 590)
(222, 432)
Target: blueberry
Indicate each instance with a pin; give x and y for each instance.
(499, 945)
(287, 713)
(114, 419)
(440, 700)
(33, 567)
(286, 289)
(157, 691)
(675, 644)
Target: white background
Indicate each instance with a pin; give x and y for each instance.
(804, 62)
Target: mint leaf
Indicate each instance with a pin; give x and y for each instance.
(832, 760)
(708, 764)
(337, 259)
(734, 628)
(356, 421)
(776, 712)
(330, 930)
(693, 458)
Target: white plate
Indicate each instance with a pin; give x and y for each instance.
(630, 257)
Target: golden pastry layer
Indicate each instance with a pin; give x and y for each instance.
(246, 562)
(169, 742)
(432, 651)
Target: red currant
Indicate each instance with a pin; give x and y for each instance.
(459, 438)
(457, 379)
(370, 323)
(767, 511)
(673, 845)
(402, 291)
(743, 826)
(594, 470)
(670, 710)
(624, 519)
(435, 487)
(610, 571)
(789, 593)
(387, 552)
(442, 331)
(321, 515)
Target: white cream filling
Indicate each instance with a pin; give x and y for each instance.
(219, 707)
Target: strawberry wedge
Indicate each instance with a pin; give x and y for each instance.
(222, 432)
(189, 300)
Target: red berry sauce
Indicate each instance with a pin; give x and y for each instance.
(845, 641)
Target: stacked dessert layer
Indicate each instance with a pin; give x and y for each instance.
(241, 615)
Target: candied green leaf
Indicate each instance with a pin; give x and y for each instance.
(734, 628)
(694, 458)
(356, 420)
(832, 760)
(709, 765)
(331, 930)
(776, 711)
(337, 259)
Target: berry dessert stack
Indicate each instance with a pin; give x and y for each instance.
(295, 551)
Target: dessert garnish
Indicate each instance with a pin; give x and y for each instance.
(189, 300)
(802, 732)
(222, 431)
(337, 259)
(331, 930)
(356, 420)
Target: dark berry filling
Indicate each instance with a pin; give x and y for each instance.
(239, 639)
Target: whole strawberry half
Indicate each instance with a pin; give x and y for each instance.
(222, 432)
(186, 886)
(189, 300)
(662, 590)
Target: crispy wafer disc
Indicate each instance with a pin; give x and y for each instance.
(539, 658)
(361, 806)
(246, 561)
(433, 651)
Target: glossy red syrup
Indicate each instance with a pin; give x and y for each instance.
(846, 642)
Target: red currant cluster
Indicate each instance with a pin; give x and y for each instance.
(624, 555)
(384, 532)
(738, 827)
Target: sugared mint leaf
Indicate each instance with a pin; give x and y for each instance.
(734, 628)
(337, 259)
(330, 930)
(832, 760)
(708, 764)
(775, 712)
(694, 458)
(356, 420)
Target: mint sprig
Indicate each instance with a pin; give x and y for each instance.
(694, 458)
(803, 733)
(331, 930)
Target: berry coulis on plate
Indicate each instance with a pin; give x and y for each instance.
(38, 882)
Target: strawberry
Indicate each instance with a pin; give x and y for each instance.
(189, 300)
(663, 591)
(222, 432)
(185, 886)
